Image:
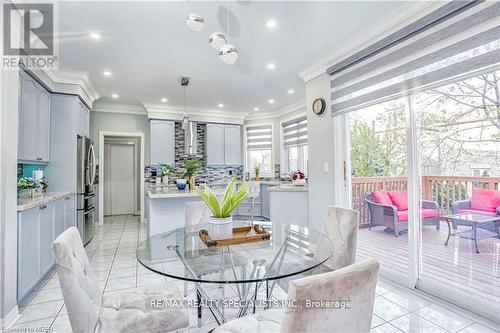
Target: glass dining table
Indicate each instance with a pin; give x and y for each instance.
(181, 254)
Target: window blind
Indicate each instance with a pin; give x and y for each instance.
(259, 137)
(461, 46)
(295, 132)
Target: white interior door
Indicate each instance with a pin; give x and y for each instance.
(120, 180)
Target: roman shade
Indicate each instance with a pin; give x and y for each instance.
(295, 132)
(459, 46)
(259, 137)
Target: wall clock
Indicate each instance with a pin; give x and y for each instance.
(319, 106)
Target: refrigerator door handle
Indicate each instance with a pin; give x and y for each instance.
(93, 164)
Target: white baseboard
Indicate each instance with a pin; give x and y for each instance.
(10, 319)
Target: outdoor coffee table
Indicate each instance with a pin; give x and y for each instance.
(474, 221)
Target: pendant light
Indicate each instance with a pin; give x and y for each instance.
(195, 22)
(217, 40)
(228, 53)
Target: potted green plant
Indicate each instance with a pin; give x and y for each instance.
(257, 172)
(220, 224)
(181, 180)
(27, 187)
(192, 167)
(164, 171)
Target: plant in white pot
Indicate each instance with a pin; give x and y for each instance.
(221, 222)
(164, 171)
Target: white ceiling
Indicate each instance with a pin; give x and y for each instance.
(147, 47)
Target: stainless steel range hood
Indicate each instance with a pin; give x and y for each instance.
(190, 138)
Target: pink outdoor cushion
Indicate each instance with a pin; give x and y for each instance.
(424, 213)
(381, 197)
(477, 211)
(399, 199)
(483, 199)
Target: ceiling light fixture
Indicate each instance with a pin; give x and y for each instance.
(217, 40)
(291, 91)
(228, 53)
(271, 24)
(115, 95)
(95, 35)
(256, 109)
(271, 101)
(106, 73)
(270, 66)
(164, 100)
(195, 22)
(220, 105)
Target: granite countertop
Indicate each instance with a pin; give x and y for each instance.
(161, 192)
(288, 188)
(27, 203)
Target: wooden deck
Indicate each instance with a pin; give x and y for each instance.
(457, 266)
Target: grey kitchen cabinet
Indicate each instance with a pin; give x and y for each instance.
(59, 217)
(232, 145)
(34, 121)
(69, 212)
(162, 143)
(265, 200)
(84, 122)
(28, 269)
(215, 144)
(46, 236)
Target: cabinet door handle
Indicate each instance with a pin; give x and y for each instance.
(38, 158)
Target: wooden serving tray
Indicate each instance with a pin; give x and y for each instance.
(239, 236)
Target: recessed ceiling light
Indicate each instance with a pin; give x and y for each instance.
(115, 95)
(164, 100)
(95, 35)
(271, 24)
(256, 109)
(271, 101)
(106, 73)
(270, 66)
(291, 91)
(221, 105)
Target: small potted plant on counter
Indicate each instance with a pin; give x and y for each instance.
(256, 169)
(220, 224)
(164, 171)
(181, 181)
(27, 187)
(192, 167)
(298, 178)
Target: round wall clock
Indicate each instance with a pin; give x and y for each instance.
(319, 106)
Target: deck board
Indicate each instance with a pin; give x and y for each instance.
(456, 266)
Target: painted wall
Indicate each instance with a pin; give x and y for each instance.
(321, 152)
(110, 121)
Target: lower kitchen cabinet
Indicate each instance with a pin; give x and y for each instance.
(36, 230)
(265, 206)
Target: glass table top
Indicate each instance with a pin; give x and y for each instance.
(473, 217)
(181, 254)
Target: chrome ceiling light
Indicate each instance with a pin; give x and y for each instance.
(228, 54)
(217, 40)
(195, 22)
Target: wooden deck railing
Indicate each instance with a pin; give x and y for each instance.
(443, 189)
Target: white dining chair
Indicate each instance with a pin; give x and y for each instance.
(354, 284)
(196, 212)
(122, 312)
(341, 227)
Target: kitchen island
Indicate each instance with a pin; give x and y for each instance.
(289, 204)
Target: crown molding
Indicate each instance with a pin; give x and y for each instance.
(389, 24)
(120, 108)
(278, 113)
(176, 112)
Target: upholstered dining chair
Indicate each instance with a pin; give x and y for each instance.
(354, 284)
(341, 227)
(89, 311)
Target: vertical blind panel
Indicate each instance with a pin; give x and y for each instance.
(259, 137)
(467, 43)
(295, 132)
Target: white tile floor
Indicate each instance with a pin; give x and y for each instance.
(112, 255)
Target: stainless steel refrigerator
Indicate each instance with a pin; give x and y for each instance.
(86, 175)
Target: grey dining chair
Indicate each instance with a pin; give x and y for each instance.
(354, 284)
(122, 312)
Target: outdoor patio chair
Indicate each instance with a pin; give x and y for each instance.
(390, 209)
(482, 201)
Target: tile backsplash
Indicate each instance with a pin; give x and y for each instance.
(209, 174)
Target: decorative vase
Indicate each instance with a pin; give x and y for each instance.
(181, 184)
(164, 180)
(299, 182)
(158, 180)
(220, 227)
(29, 193)
(192, 183)
(257, 177)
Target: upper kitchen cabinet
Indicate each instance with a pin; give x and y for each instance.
(34, 121)
(215, 144)
(84, 121)
(232, 145)
(162, 142)
(224, 144)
